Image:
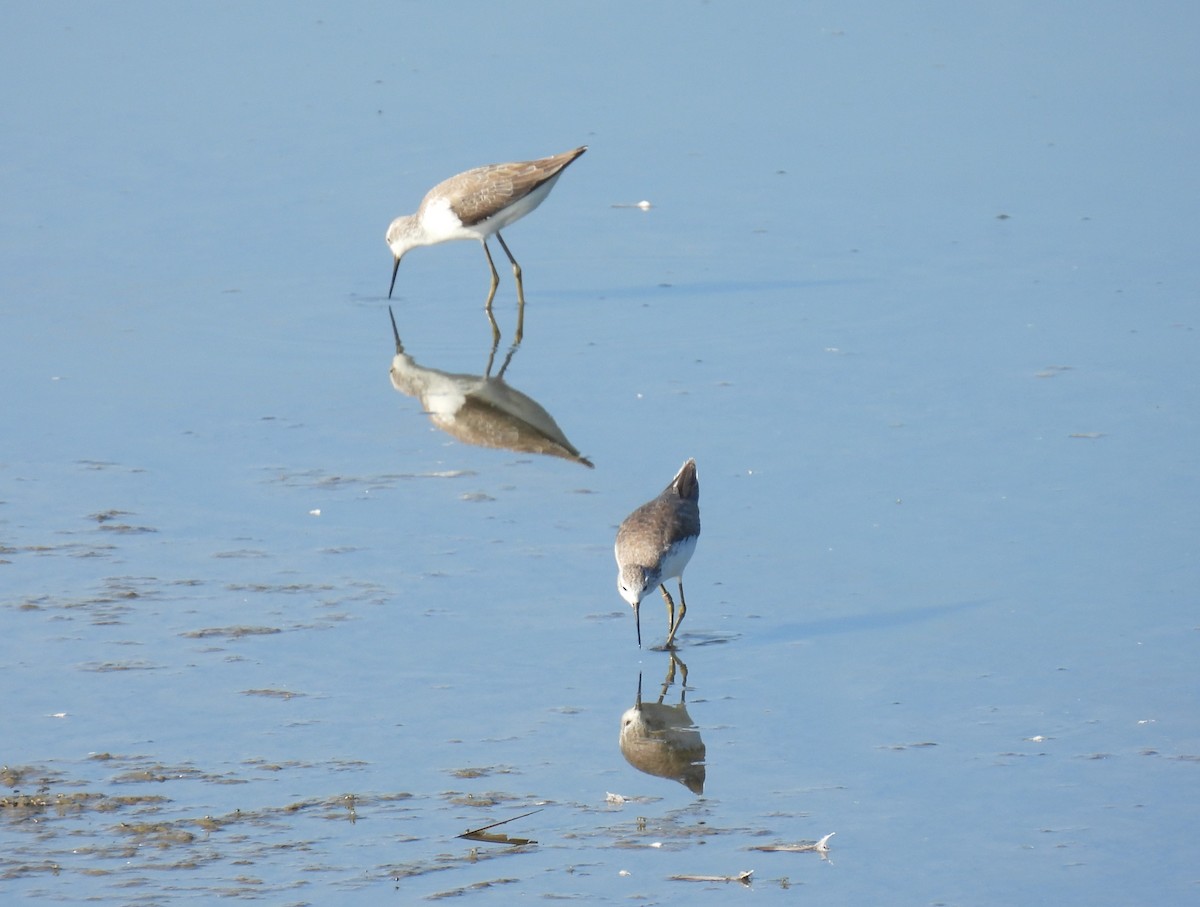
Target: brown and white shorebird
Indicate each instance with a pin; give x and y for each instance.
(656, 542)
(477, 204)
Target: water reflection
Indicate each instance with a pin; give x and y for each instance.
(662, 740)
(482, 409)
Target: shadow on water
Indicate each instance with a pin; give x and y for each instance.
(482, 409)
(871, 621)
(662, 740)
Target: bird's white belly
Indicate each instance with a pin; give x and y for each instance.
(677, 558)
(439, 220)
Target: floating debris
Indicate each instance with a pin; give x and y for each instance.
(273, 694)
(230, 632)
(1051, 370)
(821, 847)
(743, 877)
(481, 833)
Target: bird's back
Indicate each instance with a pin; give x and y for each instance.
(479, 194)
(651, 531)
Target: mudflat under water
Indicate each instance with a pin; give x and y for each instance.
(294, 595)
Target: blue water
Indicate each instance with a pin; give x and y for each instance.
(916, 288)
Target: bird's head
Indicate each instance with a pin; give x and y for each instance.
(399, 239)
(635, 582)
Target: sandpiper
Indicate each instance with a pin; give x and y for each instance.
(476, 204)
(656, 542)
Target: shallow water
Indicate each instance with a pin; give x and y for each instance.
(916, 290)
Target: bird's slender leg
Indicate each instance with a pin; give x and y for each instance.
(487, 306)
(682, 611)
(516, 268)
(520, 334)
(520, 289)
(670, 613)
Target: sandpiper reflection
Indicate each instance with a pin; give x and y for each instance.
(662, 740)
(481, 409)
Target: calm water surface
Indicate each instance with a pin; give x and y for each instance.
(917, 290)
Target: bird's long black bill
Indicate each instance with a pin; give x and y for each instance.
(637, 621)
(395, 268)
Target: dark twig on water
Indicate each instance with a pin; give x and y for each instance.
(480, 834)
